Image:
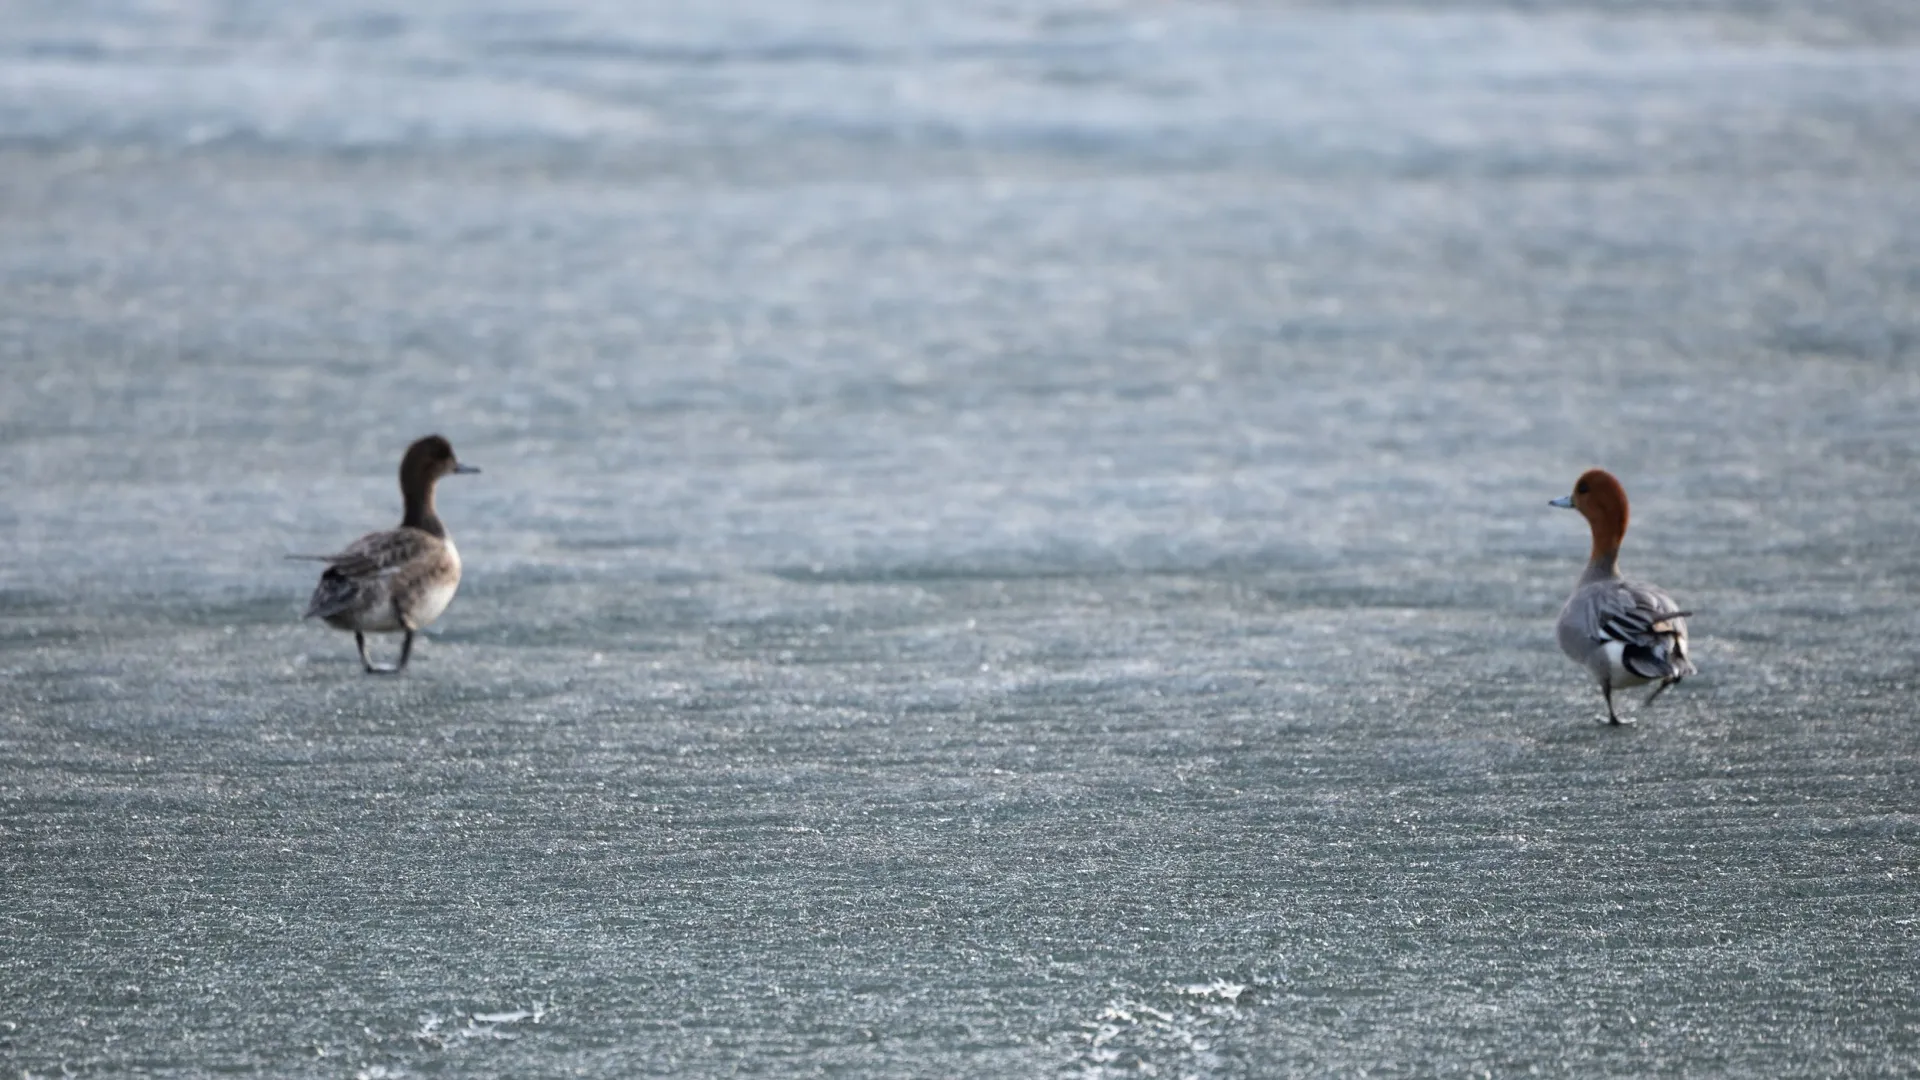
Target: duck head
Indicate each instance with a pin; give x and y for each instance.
(1603, 502)
(426, 461)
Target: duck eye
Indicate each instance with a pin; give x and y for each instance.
(1581, 489)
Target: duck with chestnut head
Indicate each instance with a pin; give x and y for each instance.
(397, 581)
(1625, 632)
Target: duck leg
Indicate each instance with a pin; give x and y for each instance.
(1613, 718)
(1661, 689)
(360, 642)
(406, 651)
(406, 643)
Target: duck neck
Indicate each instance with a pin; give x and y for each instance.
(1609, 529)
(418, 497)
(1603, 565)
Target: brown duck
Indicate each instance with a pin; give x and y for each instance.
(397, 581)
(1623, 631)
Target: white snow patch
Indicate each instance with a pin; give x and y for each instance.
(435, 1031)
(1176, 1031)
(1221, 989)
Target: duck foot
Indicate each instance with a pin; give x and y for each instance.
(406, 651)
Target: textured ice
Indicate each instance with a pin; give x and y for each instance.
(1013, 543)
(1180, 1032)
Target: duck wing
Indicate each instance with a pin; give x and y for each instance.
(360, 573)
(1649, 626)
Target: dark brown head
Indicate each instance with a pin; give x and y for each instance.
(426, 461)
(429, 459)
(1603, 502)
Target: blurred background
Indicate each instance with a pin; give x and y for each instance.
(1013, 539)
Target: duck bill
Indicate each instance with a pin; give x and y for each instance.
(1564, 502)
(463, 467)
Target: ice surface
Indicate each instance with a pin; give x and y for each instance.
(1013, 542)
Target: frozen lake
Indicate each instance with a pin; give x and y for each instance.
(1013, 539)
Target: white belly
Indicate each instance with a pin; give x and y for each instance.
(1617, 672)
(433, 598)
(376, 619)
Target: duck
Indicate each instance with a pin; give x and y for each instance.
(1625, 632)
(399, 580)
